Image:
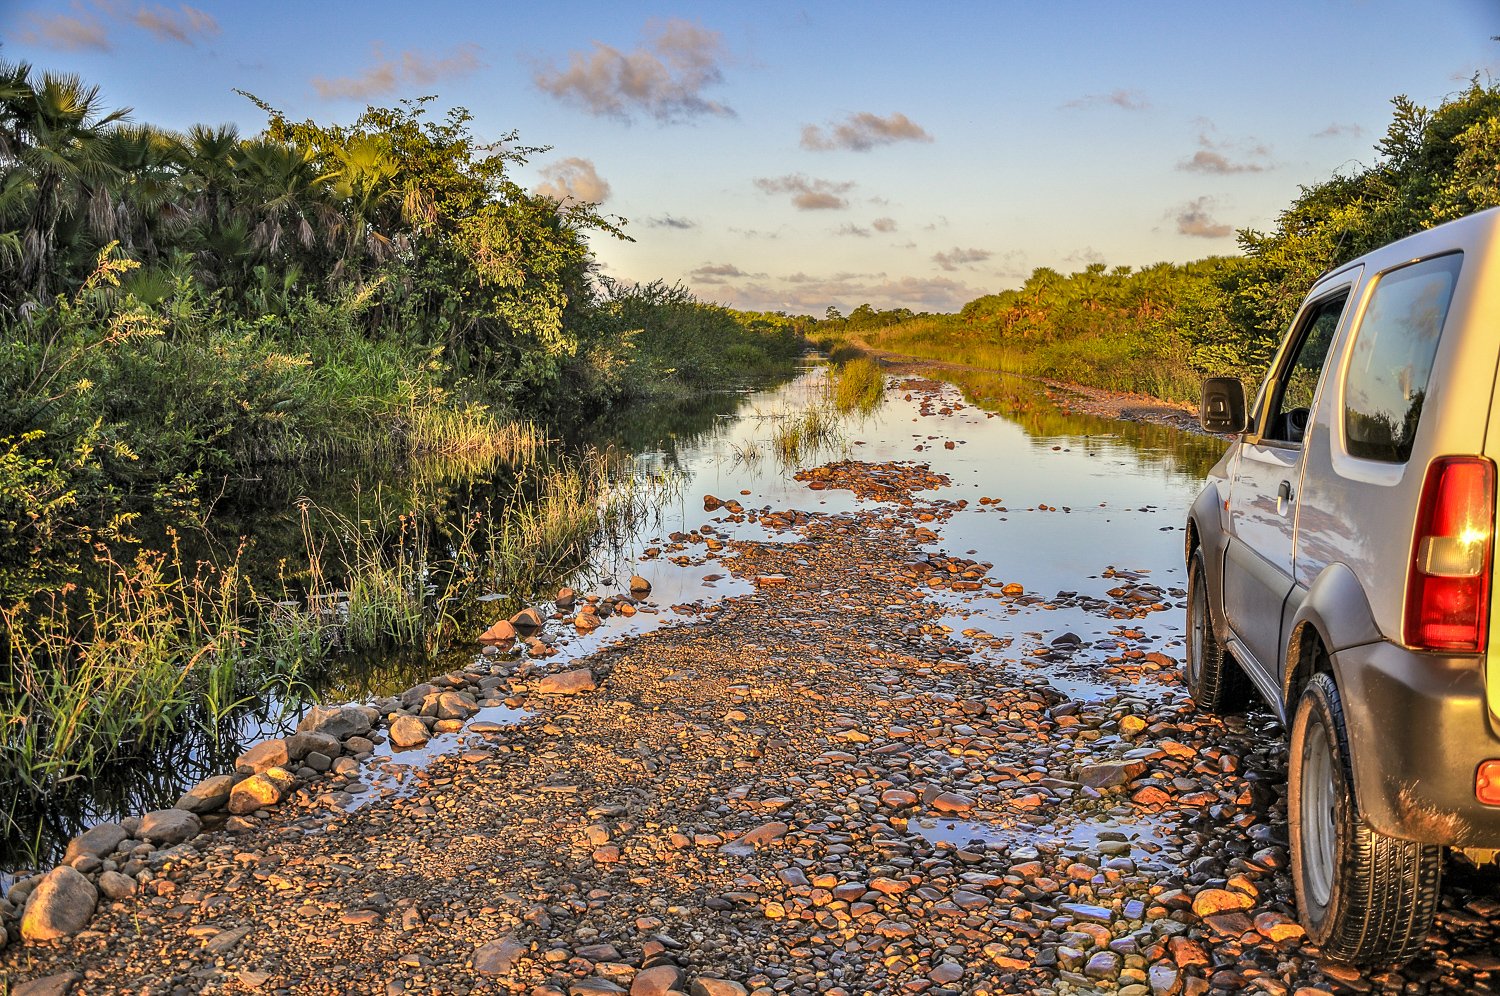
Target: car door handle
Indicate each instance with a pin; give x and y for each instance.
(1283, 497)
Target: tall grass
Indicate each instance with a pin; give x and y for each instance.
(800, 434)
(858, 385)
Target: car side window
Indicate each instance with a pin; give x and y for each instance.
(1285, 418)
(1392, 356)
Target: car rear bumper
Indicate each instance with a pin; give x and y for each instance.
(1419, 727)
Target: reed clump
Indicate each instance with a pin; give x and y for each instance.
(858, 385)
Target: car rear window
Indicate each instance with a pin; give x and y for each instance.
(1392, 358)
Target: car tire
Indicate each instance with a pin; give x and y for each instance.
(1362, 897)
(1212, 676)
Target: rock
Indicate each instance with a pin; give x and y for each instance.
(583, 987)
(208, 795)
(60, 906)
(259, 791)
(455, 705)
(639, 585)
(1276, 927)
(656, 981)
(1164, 979)
(567, 682)
(268, 754)
(114, 885)
(527, 618)
(717, 987)
(1102, 965)
(587, 622)
(53, 985)
(1211, 901)
(98, 841)
(566, 598)
(409, 731)
(1110, 774)
(170, 826)
(299, 745)
(952, 802)
(498, 957)
(339, 722)
(946, 972)
(501, 632)
(763, 834)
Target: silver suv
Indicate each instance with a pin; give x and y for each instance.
(1340, 562)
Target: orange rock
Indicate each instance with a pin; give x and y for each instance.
(501, 632)
(1211, 901)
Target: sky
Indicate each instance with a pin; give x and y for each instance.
(796, 156)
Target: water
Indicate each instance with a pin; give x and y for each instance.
(1076, 497)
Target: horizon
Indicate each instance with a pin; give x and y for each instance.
(793, 159)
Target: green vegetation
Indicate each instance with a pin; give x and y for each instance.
(175, 308)
(858, 385)
(1160, 329)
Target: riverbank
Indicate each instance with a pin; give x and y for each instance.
(927, 739)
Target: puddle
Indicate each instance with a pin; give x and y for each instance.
(1099, 835)
(391, 772)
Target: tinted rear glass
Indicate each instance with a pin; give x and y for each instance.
(1392, 358)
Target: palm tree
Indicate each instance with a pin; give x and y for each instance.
(55, 130)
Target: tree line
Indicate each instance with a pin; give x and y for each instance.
(1160, 329)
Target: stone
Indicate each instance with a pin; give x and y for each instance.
(717, 987)
(299, 745)
(639, 585)
(763, 834)
(568, 682)
(60, 906)
(98, 841)
(566, 598)
(408, 731)
(527, 619)
(267, 754)
(1102, 965)
(208, 795)
(1110, 774)
(583, 987)
(170, 826)
(259, 791)
(498, 957)
(501, 632)
(115, 885)
(946, 972)
(338, 722)
(656, 981)
(52, 985)
(952, 802)
(587, 622)
(1210, 901)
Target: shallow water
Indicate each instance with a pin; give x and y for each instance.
(1119, 490)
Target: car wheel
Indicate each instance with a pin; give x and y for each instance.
(1212, 676)
(1362, 896)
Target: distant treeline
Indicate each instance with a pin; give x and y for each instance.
(1159, 329)
(180, 304)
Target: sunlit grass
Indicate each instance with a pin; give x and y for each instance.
(858, 385)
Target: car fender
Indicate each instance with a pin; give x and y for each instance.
(1206, 529)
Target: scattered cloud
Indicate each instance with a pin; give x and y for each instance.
(1127, 100)
(719, 273)
(386, 73)
(663, 78)
(1223, 158)
(862, 132)
(74, 32)
(1338, 129)
(956, 257)
(84, 29)
(803, 293)
(808, 194)
(884, 224)
(668, 221)
(855, 230)
(573, 181)
(185, 24)
(1196, 218)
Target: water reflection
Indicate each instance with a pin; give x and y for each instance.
(1075, 495)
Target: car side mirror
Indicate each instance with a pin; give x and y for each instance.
(1223, 408)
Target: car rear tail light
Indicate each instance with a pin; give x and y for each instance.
(1487, 783)
(1448, 585)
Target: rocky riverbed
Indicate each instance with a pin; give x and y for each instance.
(824, 783)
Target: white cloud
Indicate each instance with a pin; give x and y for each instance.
(957, 257)
(663, 78)
(386, 73)
(573, 181)
(808, 194)
(862, 132)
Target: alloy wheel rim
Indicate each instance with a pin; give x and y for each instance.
(1198, 634)
(1319, 850)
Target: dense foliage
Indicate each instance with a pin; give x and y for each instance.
(179, 305)
(1161, 328)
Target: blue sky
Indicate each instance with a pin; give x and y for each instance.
(795, 156)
